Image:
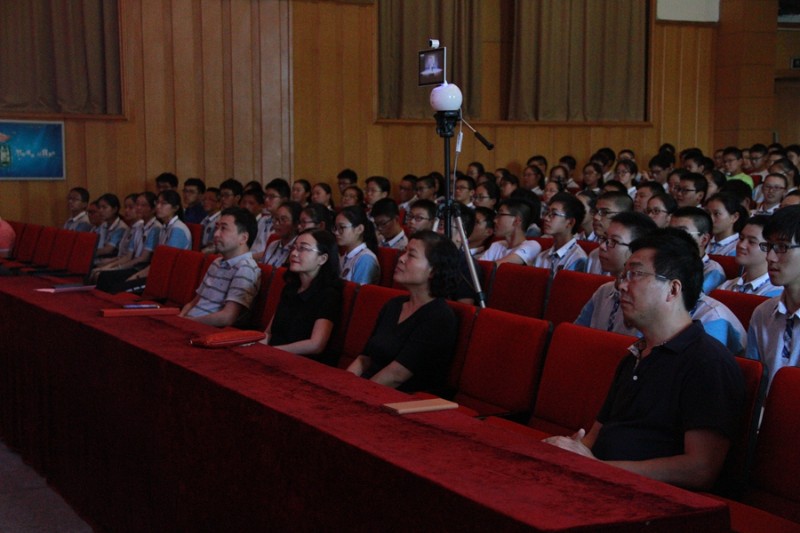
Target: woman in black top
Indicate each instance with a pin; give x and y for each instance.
(414, 338)
(311, 301)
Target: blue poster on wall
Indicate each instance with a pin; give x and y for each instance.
(31, 150)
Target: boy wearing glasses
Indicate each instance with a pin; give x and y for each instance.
(510, 223)
(602, 311)
(232, 281)
(562, 221)
(77, 200)
(774, 334)
(386, 216)
(772, 190)
(674, 405)
(608, 205)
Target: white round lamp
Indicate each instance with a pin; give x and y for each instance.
(446, 97)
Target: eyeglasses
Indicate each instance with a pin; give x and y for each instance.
(655, 211)
(272, 196)
(422, 188)
(550, 213)
(611, 243)
(483, 197)
(283, 220)
(772, 187)
(684, 190)
(777, 247)
(304, 223)
(417, 218)
(303, 248)
(603, 212)
(462, 188)
(636, 275)
(381, 224)
(339, 228)
(506, 215)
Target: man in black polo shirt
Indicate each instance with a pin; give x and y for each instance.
(673, 406)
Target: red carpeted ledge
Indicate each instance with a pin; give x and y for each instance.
(141, 431)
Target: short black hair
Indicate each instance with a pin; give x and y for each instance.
(699, 182)
(233, 185)
(168, 177)
(280, 186)
(82, 192)
(383, 183)
(676, 257)
(385, 207)
(488, 215)
(654, 187)
(245, 222)
(639, 224)
(663, 160)
(616, 184)
(572, 207)
(568, 161)
(784, 224)
(669, 202)
(479, 166)
(320, 214)
(622, 200)
(255, 193)
(468, 180)
(732, 150)
(427, 205)
(519, 208)
(700, 217)
(196, 182)
(349, 175)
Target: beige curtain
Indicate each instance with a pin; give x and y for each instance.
(404, 28)
(60, 57)
(579, 60)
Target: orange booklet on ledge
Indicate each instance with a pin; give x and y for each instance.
(140, 309)
(420, 406)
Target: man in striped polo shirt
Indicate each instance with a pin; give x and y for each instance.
(232, 281)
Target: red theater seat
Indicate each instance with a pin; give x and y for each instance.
(185, 277)
(336, 342)
(588, 246)
(771, 500)
(63, 245)
(466, 315)
(569, 293)
(260, 302)
(369, 302)
(741, 305)
(387, 259)
(197, 235)
(44, 247)
(25, 248)
(578, 370)
(157, 284)
(276, 285)
(503, 363)
(519, 289)
(728, 264)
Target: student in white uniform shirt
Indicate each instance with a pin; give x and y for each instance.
(755, 278)
(697, 223)
(77, 200)
(727, 217)
(386, 216)
(211, 205)
(512, 219)
(464, 192)
(355, 235)
(774, 334)
(285, 223)
(561, 221)
(773, 189)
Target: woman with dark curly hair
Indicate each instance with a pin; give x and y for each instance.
(414, 337)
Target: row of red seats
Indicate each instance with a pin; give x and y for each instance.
(58, 253)
(505, 364)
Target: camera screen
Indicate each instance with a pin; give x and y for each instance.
(432, 66)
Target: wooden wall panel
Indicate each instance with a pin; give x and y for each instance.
(206, 88)
(681, 93)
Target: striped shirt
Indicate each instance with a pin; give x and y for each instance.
(228, 280)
